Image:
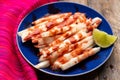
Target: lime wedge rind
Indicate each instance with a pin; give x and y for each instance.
(103, 39)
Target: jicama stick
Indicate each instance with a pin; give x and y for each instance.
(65, 26)
(94, 23)
(82, 18)
(79, 48)
(75, 60)
(44, 41)
(80, 35)
(43, 64)
(65, 48)
(74, 29)
(41, 27)
(58, 29)
(24, 33)
(90, 23)
(51, 17)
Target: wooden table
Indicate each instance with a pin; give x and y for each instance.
(110, 9)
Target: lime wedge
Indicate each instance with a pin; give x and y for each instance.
(103, 39)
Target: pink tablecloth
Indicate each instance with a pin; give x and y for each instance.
(12, 64)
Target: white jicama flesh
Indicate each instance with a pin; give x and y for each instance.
(85, 43)
(79, 58)
(43, 64)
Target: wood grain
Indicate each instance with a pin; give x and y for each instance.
(110, 9)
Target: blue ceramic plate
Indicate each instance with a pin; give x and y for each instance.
(90, 64)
